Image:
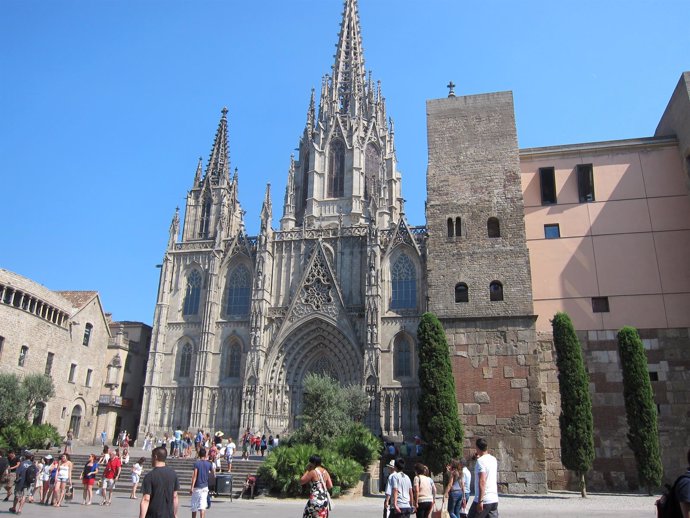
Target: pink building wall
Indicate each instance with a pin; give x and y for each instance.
(631, 245)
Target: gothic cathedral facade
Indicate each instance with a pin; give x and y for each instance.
(338, 289)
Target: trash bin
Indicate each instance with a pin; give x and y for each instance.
(224, 484)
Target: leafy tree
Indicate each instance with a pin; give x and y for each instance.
(324, 415)
(356, 402)
(576, 421)
(438, 408)
(640, 409)
(358, 443)
(18, 396)
(37, 388)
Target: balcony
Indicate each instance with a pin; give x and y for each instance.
(114, 401)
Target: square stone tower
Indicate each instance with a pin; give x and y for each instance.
(479, 284)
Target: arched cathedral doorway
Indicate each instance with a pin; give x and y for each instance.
(316, 346)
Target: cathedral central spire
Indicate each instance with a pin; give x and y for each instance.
(349, 75)
(219, 162)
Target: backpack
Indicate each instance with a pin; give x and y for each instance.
(30, 476)
(668, 505)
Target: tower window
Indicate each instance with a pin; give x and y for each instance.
(372, 168)
(547, 181)
(493, 227)
(238, 292)
(23, 353)
(205, 220)
(495, 291)
(451, 230)
(402, 357)
(462, 293)
(585, 182)
(458, 227)
(193, 294)
(404, 284)
(185, 367)
(552, 231)
(336, 170)
(600, 304)
(87, 334)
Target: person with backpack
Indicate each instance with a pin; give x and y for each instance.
(675, 503)
(25, 479)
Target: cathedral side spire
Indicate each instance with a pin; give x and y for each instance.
(174, 228)
(218, 167)
(199, 172)
(311, 114)
(288, 220)
(349, 76)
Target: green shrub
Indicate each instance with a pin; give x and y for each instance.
(22, 434)
(284, 467)
(359, 443)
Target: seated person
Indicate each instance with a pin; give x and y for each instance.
(250, 485)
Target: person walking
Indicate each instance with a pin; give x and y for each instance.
(199, 487)
(111, 475)
(159, 488)
(49, 491)
(455, 490)
(25, 478)
(319, 481)
(402, 497)
(485, 502)
(69, 438)
(104, 438)
(137, 469)
(424, 491)
(229, 453)
(63, 479)
(10, 474)
(88, 478)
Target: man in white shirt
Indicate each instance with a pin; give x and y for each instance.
(401, 496)
(485, 502)
(229, 452)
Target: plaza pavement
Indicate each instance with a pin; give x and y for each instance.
(561, 504)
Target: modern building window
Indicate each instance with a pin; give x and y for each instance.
(547, 181)
(493, 227)
(233, 360)
(402, 357)
(87, 334)
(462, 293)
(238, 292)
(49, 364)
(72, 372)
(552, 231)
(451, 229)
(89, 375)
(404, 284)
(600, 304)
(23, 353)
(495, 291)
(585, 182)
(193, 294)
(336, 169)
(205, 219)
(372, 168)
(185, 368)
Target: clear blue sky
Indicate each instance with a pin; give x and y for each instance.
(105, 106)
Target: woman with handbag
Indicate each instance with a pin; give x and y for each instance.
(455, 490)
(88, 478)
(319, 481)
(424, 491)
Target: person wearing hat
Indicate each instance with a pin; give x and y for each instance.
(390, 467)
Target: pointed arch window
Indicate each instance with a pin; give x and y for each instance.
(451, 232)
(402, 357)
(462, 293)
(493, 227)
(185, 366)
(205, 220)
(496, 291)
(404, 284)
(233, 359)
(458, 227)
(238, 292)
(336, 169)
(193, 294)
(372, 172)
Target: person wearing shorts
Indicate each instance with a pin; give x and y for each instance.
(199, 485)
(110, 476)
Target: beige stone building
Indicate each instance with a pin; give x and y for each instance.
(62, 334)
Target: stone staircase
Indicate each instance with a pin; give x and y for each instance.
(183, 467)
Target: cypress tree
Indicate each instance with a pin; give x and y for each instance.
(640, 409)
(576, 422)
(438, 417)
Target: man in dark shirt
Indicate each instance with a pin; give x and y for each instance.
(683, 492)
(22, 485)
(4, 474)
(10, 474)
(159, 488)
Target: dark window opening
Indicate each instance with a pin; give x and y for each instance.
(49, 364)
(72, 372)
(552, 231)
(493, 227)
(450, 227)
(402, 358)
(495, 291)
(653, 376)
(336, 170)
(462, 292)
(87, 335)
(585, 182)
(23, 353)
(205, 219)
(600, 304)
(547, 181)
(458, 227)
